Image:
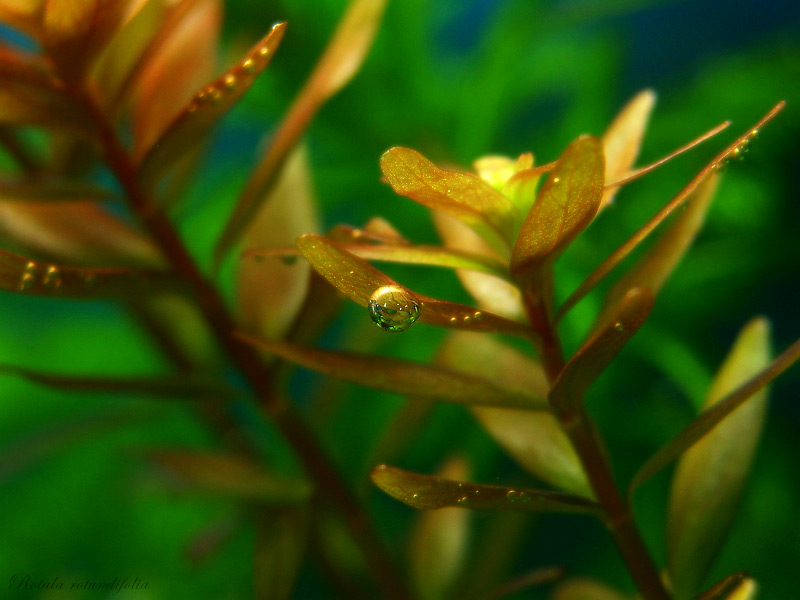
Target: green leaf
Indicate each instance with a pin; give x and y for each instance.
(429, 492)
(713, 416)
(586, 589)
(358, 281)
(184, 386)
(710, 476)
(439, 543)
(733, 587)
(281, 541)
(462, 195)
(566, 204)
(338, 65)
(402, 377)
(627, 247)
(231, 475)
(597, 353)
(22, 275)
(205, 109)
(535, 440)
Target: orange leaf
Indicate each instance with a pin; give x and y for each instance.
(565, 205)
(23, 14)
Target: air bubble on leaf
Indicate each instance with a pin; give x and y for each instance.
(512, 495)
(478, 316)
(619, 327)
(52, 277)
(463, 500)
(392, 309)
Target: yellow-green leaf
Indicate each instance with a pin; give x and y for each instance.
(597, 353)
(205, 109)
(566, 204)
(534, 439)
(711, 475)
(733, 587)
(358, 281)
(338, 65)
(622, 139)
(713, 416)
(231, 475)
(627, 247)
(20, 274)
(429, 492)
(586, 589)
(461, 195)
(439, 542)
(403, 377)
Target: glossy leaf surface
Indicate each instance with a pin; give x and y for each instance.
(402, 377)
(566, 204)
(430, 492)
(710, 476)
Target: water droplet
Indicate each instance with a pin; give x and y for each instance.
(52, 278)
(392, 309)
(215, 94)
(249, 66)
(201, 96)
(453, 320)
(478, 316)
(556, 179)
(230, 81)
(467, 319)
(477, 492)
(463, 500)
(26, 281)
(415, 496)
(619, 327)
(263, 51)
(512, 495)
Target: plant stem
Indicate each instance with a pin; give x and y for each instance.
(212, 307)
(590, 450)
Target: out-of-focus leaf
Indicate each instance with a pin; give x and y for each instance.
(429, 492)
(710, 476)
(403, 377)
(713, 416)
(492, 293)
(596, 354)
(205, 109)
(210, 540)
(22, 14)
(627, 247)
(622, 139)
(20, 274)
(535, 440)
(565, 205)
(497, 170)
(586, 589)
(81, 233)
(231, 475)
(271, 293)
(173, 73)
(31, 96)
(461, 195)
(338, 65)
(358, 281)
(183, 386)
(439, 542)
(281, 540)
(655, 267)
(731, 588)
(54, 191)
(75, 31)
(531, 579)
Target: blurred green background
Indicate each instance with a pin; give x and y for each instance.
(455, 80)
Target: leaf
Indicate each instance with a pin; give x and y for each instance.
(586, 589)
(52, 190)
(622, 139)
(175, 69)
(19, 274)
(536, 577)
(534, 440)
(566, 204)
(183, 386)
(713, 416)
(439, 542)
(429, 492)
(626, 248)
(461, 195)
(22, 14)
(596, 354)
(29, 95)
(655, 267)
(492, 293)
(205, 109)
(710, 476)
(733, 587)
(402, 377)
(231, 475)
(497, 170)
(338, 65)
(281, 540)
(270, 294)
(358, 281)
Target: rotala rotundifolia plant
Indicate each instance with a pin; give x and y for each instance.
(126, 95)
